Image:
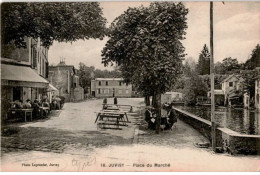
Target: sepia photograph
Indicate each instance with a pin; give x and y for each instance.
(130, 86)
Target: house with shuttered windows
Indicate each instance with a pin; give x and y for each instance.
(110, 87)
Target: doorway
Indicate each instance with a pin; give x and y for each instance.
(17, 91)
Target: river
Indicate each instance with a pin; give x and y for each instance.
(243, 121)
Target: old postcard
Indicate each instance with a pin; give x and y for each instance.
(130, 86)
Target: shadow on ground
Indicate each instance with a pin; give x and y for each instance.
(54, 140)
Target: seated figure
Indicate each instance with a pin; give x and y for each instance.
(36, 109)
(150, 118)
(27, 104)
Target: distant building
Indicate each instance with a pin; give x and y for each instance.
(230, 86)
(246, 100)
(24, 71)
(257, 92)
(110, 87)
(65, 79)
(219, 97)
(170, 97)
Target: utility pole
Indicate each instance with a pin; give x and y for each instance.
(212, 72)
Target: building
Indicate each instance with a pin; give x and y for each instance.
(219, 97)
(246, 101)
(230, 87)
(110, 87)
(169, 97)
(24, 71)
(257, 93)
(65, 79)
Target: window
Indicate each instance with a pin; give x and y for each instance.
(127, 91)
(106, 83)
(230, 84)
(99, 92)
(99, 83)
(120, 83)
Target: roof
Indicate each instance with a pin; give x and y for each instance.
(117, 79)
(233, 75)
(21, 76)
(64, 66)
(13, 62)
(217, 91)
(52, 88)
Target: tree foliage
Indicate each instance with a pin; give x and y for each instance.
(194, 86)
(254, 60)
(219, 69)
(203, 66)
(228, 66)
(145, 43)
(249, 76)
(60, 21)
(86, 74)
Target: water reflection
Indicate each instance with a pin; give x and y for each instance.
(241, 120)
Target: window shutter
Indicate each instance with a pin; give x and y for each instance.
(34, 58)
(47, 70)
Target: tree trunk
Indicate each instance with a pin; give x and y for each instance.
(157, 106)
(153, 100)
(147, 100)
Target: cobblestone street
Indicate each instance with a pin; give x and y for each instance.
(72, 128)
(71, 139)
(181, 135)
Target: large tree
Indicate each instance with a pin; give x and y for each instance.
(203, 66)
(230, 65)
(219, 69)
(189, 66)
(194, 86)
(145, 43)
(85, 75)
(60, 21)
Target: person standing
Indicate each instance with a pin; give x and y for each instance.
(105, 103)
(115, 101)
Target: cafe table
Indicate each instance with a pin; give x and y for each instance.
(25, 112)
(111, 117)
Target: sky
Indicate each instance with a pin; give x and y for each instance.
(236, 33)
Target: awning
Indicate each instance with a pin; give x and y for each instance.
(51, 88)
(12, 75)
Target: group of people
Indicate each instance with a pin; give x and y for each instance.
(35, 105)
(105, 102)
(168, 117)
(45, 102)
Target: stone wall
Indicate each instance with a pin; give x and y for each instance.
(78, 94)
(230, 141)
